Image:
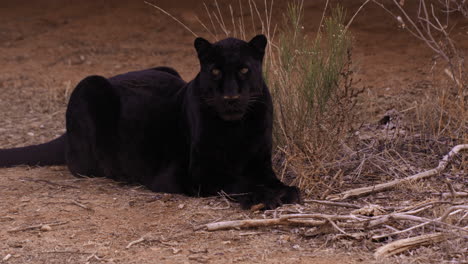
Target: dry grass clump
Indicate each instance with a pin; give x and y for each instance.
(311, 79)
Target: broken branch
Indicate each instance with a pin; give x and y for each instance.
(392, 184)
(408, 243)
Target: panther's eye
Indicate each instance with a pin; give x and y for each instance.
(244, 70)
(215, 72)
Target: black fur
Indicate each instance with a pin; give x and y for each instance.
(199, 138)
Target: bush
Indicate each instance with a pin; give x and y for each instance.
(311, 83)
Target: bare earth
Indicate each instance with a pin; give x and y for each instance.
(47, 46)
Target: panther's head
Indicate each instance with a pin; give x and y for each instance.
(231, 74)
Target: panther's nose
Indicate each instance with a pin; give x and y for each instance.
(231, 97)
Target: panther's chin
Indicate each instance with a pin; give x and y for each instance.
(233, 116)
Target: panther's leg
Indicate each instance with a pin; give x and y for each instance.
(92, 117)
(263, 186)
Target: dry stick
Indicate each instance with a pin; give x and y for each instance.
(451, 209)
(65, 252)
(241, 21)
(415, 211)
(212, 23)
(347, 205)
(171, 16)
(245, 224)
(392, 184)
(51, 183)
(323, 16)
(205, 27)
(378, 237)
(82, 206)
(355, 14)
(455, 79)
(141, 239)
(220, 19)
(408, 243)
(291, 219)
(436, 222)
(234, 28)
(36, 227)
(338, 228)
(457, 195)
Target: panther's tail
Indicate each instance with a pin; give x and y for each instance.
(50, 153)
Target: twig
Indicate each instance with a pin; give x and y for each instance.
(290, 219)
(82, 205)
(338, 228)
(51, 183)
(424, 220)
(451, 209)
(416, 207)
(36, 227)
(355, 14)
(323, 16)
(141, 239)
(455, 79)
(171, 16)
(65, 252)
(325, 202)
(457, 194)
(392, 184)
(408, 243)
(245, 224)
(377, 238)
(93, 256)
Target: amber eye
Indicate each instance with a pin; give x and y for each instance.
(244, 70)
(215, 72)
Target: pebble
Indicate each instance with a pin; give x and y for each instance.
(7, 257)
(46, 228)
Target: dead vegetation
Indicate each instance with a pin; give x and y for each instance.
(376, 223)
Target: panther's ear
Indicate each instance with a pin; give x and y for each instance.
(259, 43)
(203, 47)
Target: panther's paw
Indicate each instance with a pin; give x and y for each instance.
(271, 198)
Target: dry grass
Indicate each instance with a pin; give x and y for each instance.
(314, 96)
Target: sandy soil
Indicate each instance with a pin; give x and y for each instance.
(47, 46)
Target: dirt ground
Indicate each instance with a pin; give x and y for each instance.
(47, 46)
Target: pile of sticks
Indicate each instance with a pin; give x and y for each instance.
(375, 222)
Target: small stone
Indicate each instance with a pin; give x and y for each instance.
(181, 206)
(297, 247)
(7, 257)
(46, 228)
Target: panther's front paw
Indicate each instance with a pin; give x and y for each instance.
(271, 198)
(290, 195)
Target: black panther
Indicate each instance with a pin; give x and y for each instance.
(150, 127)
